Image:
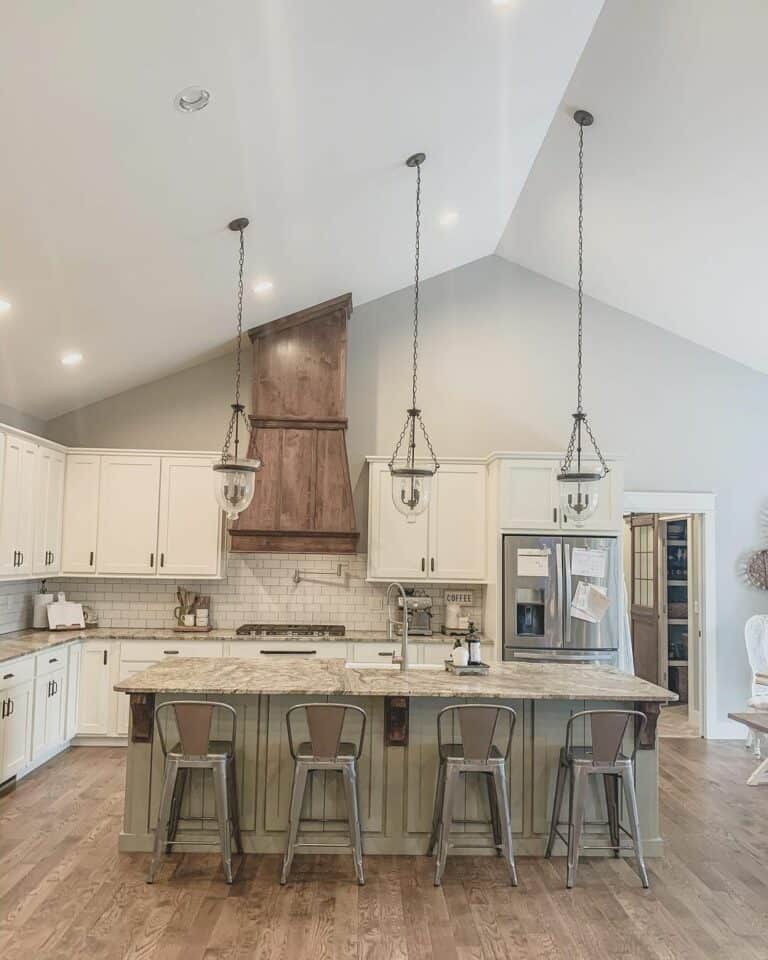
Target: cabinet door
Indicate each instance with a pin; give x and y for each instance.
(397, 545)
(528, 495)
(95, 692)
(81, 512)
(129, 497)
(55, 714)
(27, 506)
(16, 730)
(47, 511)
(457, 523)
(190, 518)
(10, 507)
(73, 690)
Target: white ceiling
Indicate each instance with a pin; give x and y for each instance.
(676, 173)
(114, 205)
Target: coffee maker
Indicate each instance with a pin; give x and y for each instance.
(419, 608)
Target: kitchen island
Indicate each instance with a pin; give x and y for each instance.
(398, 767)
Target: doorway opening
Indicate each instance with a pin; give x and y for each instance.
(663, 577)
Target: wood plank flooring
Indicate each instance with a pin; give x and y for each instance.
(65, 892)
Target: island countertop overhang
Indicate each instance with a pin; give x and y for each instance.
(330, 677)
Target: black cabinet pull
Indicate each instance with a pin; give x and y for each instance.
(21, 558)
(49, 688)
(170, 651)
(280, 653)
(554, 514)
(105, 658)
(90, 562)
(423, 564)
(386, 653)
(7, 676)
(432, 564)
(15, 558)
(11, 706)
(151, 559)
(53, 660)
(2, 715)
(162, 559)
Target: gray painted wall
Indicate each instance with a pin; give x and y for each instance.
(22, 421)
(497, 373)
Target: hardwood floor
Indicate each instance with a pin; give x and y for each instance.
(65, 892)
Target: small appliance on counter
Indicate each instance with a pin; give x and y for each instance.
(419, 613)
(65, 615)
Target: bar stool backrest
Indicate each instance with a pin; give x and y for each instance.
(607, 728)
(477, 728)
(194, 719)
(756, 639)
(326, 726)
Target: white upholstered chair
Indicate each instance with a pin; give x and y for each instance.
(756, 639)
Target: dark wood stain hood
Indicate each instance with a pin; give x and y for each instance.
(303, 498)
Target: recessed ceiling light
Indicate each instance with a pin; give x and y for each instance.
(448, 218)
(263, 286)
(71, 358)
(191, 99)
(4, 305)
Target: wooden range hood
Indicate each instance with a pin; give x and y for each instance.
(303, 499)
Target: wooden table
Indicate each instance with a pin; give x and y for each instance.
(757, 721)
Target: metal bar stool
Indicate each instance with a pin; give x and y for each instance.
(325, 750)
(603, 758)
(196, 750)
(476, 753)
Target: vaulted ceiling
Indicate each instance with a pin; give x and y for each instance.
(114, 205)
(676, 178)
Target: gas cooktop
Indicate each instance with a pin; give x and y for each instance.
(290, 630)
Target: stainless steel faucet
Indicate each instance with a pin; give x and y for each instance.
(404, 623)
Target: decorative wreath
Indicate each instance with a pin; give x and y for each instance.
(756, 569)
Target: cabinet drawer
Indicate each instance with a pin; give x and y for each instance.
(435, 652)
(376, 652)
(50, 660)
(16, 671)
(322, 649)
(131, 650)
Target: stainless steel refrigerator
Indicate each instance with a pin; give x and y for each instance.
(546, 614)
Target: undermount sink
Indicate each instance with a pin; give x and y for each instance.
(386, 665)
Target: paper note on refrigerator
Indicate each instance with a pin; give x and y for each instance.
(590, 602)
(533, 562)
(589, 563)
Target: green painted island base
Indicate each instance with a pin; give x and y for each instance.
(397, 783)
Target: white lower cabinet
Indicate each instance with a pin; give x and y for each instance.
(322, 649)
(50, 717)
(16, 729)
(95, 689)
(73, 690)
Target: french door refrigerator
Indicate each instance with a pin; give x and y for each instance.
(561, 598)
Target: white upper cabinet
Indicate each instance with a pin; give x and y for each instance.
(18, 507)
(529, 498)
(190, 518)
(129, 498)
(81, 513)
(48, 509)
(445, 543)
(457, 523)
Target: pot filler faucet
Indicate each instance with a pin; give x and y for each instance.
(398, 587)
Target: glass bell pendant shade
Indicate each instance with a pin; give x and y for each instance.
(235, 482)
(579, 496)
(410, 490)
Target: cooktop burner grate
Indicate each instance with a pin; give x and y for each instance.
(290, 630)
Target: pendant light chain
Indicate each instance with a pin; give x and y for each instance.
(238, 410)
(414, 414)
(579, 406)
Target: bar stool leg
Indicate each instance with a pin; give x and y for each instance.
(494, 808)
(294, 816)
(557, 806)
(164, 815)
(628, 782)
(611, 785)
(502, 805)
(439, 791)
(578, 803)
(178, 796)
(234, 804)
(223, 816)
(446, 821)
(349, 775)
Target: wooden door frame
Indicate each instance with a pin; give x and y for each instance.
(703, 504)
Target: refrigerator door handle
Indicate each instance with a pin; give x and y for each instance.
(567, 621)
(559, 565)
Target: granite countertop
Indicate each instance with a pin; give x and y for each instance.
(301, 676)
(21, 643)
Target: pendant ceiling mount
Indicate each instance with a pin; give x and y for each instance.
(581, 472)
(411, 475)
(235, 477)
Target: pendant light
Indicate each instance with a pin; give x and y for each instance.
(412, 479)
(235, 477)
(580, 482)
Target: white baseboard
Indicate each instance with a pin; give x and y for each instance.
(86, 740)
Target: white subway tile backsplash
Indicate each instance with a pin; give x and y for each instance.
(257, 588)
